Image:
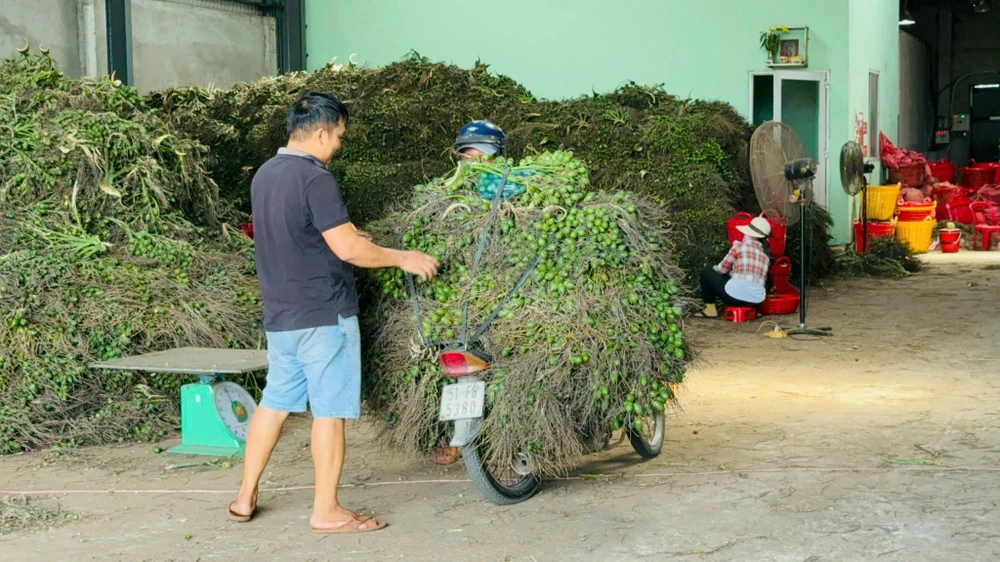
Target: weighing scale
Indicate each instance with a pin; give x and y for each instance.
(215, 413)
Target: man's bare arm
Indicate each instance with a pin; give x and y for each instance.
(349, 246)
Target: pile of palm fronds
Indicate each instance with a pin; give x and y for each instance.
(690, 155)
(591, 342)
(885, 256)
(110, 245)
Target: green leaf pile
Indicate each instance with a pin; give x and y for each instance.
(591, 342)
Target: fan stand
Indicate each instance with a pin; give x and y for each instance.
(804, 330)
(864, 214)
(868, 168)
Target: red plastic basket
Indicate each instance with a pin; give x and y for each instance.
(874, 229)
(912, 176)
(958, 210)
(780, 272)
(779, 305)
(248, 227)
(944, 195)
(977, 177)
(914, 211)
(995, 166)
(741, 218)
(944, 171)
(779, 230)
(949, 235)
(950, 247)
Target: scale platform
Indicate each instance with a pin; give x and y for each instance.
(215, 413)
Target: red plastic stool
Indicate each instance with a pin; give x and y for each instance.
(740, 314)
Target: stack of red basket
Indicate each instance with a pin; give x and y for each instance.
(783, 298)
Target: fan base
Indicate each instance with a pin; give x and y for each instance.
(804, 331)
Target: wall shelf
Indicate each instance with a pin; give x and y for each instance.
(794, 49)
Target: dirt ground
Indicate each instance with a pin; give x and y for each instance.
(880, 443)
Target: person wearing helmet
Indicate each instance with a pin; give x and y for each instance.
(477, 140)
(480, 140)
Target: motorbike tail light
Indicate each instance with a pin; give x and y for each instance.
(462, 363)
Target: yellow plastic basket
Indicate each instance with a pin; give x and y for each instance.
(881, 204)
(917, 234)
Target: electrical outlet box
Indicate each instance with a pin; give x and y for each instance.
(960, 123)
(942, 136)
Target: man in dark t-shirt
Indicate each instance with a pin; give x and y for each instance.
(305, 247)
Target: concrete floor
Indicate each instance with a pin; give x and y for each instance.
(880, 443)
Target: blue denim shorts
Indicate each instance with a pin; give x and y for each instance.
(319, 366)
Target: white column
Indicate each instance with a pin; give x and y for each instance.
(87, 21)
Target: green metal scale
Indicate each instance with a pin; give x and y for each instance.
(215, 413)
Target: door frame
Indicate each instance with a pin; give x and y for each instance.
(821, 192)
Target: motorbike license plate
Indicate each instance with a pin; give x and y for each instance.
(462, 401)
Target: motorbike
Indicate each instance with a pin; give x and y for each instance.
(503, 481)
(509, 481)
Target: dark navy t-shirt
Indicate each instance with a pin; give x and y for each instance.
(303, 283)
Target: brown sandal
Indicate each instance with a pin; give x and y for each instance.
(353, 526)
(702, 315)
(243, 517)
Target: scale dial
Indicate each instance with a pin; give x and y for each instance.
(235, 407)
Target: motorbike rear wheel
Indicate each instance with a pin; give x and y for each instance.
(649, 441)
(499, 484)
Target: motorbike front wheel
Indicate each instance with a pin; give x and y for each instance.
(502, 483)
(649, 441)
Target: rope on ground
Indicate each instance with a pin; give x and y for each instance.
(568, 478)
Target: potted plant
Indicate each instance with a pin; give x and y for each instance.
(770, 42)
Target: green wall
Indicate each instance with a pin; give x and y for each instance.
(874, 45)
(566, 48)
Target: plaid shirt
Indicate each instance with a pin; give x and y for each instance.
(747, 261)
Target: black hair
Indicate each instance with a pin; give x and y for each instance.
(764, 242)
(766, 246)
(313, 110)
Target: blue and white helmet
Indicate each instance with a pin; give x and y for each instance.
(483, 136)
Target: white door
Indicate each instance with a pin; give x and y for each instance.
(800, 100)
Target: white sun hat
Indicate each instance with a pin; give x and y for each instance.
(758, 228)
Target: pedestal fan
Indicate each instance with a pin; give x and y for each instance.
(852, 177)
(782, 179)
